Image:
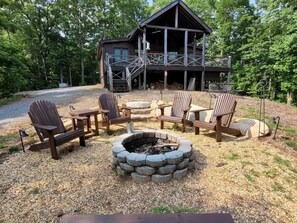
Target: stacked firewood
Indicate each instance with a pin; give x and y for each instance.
(160, 85)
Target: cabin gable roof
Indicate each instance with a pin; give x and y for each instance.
(166, 17)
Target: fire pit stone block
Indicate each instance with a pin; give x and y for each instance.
(156, 160)
(186, 150)
(145, 170)
(158, 178)
(167, 169)
(127, 168)
(174, 157)
(122, 156)
(191, 165)
(117, 149)
(183, 164)
(178, 174)
(135, 159)
(140, 178)
(121, 172)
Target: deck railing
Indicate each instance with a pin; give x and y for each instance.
(172, 59)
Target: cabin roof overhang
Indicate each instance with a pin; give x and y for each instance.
(187, 20)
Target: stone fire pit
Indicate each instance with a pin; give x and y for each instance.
(159, 168)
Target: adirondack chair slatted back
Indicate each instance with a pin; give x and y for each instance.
(108, 101)
(45, 113)
(181, 101)
(224, 103)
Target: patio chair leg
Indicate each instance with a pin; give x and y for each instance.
(197, 130)
(82, 141)
(53, 147)
(184, 127)
(161, 125)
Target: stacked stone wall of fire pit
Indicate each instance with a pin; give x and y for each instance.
(159, 168)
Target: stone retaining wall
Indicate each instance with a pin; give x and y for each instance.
(159, 168)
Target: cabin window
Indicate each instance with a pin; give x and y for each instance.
(121, 54)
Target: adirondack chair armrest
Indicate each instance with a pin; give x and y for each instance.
(219, 115)
(104, 111)
(200, 110)
(163, 106)
(197, 112)
(186, 109)
(45, 127)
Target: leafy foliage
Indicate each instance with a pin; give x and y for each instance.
(44, 42)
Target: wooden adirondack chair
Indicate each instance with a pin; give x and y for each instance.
(110, 111)
(50, 129)
(180, 107)
(224, 108)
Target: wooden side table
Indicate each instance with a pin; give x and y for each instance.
(87, 113)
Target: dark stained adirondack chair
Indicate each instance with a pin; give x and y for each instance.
(180, 107)
(50, 129)
(224, 108)
(110, 111)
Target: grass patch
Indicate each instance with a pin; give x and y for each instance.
(4, 140)
(162, 209)
(272, 173)
(234, 156)
(249, 178)
(6, 101)
(255, 173)
(35, 191)
(13, 149)
(290, 132)
(291, 144)
(264, 164)
(251, 112)
(278, 187)
(281, 161)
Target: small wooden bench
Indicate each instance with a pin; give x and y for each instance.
(149, 218)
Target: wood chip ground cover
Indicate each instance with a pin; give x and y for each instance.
(254, 180)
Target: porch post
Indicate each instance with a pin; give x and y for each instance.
(165, 57)
(139, 46)
(144, 57)
(165, 79)
(203, 63)
(194, 49)
(185, 80)
(186, 59)
(229, 73)
(165, 46)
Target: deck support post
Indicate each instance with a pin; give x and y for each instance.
(186, 59)
(144, 58)
(165, 47)
(165, 79)
(139, 46)
(203, 63)
(185, 80)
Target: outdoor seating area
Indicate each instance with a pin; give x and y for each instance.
(108, 178)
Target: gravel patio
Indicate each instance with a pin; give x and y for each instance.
(253, 179)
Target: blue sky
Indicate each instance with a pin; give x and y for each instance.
(151, 2)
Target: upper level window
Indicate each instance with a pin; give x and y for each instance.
(121, 54)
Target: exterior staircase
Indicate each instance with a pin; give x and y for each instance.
(123, 83)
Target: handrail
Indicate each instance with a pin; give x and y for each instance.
(159, 58)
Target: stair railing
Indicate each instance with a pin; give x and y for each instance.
(132, 69)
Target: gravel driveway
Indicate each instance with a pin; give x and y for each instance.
(14, 115)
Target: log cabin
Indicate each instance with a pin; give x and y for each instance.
(168, 47)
